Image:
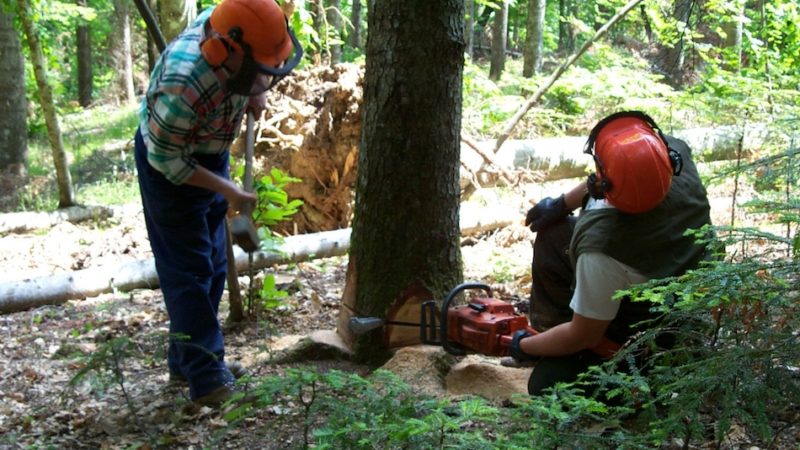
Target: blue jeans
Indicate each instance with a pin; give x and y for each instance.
(186, 227)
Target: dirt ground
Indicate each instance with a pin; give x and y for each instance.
(43, 349)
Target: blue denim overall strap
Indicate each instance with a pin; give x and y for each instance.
(186, 227)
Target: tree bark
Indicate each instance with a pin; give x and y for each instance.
(673, 54)
(566, 36)
(734, 31)
(13, 123)
(66, 196)
(532, 62)
(124, 50)
(499, 33)
(334, 17)
(174, 16)
(355, 18)
(85, 77)
(412, 124)
(469, 27)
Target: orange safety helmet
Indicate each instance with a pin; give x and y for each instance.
(634, 163)
(258, 24)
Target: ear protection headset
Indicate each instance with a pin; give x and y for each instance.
(599, 186)
(216, 48)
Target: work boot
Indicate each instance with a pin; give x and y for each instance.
(216, 397)
(235, 367)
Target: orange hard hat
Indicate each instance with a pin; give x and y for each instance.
(260, 24)
(633, 163)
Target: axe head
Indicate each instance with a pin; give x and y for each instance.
(244, 233)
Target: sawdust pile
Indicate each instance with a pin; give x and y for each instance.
(311, 129)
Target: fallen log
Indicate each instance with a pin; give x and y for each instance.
(61, 287)
(562, 157)
(28, 221)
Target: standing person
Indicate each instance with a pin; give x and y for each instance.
(644, 195)
(203, 82)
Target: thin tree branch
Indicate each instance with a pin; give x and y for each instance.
(561, 69)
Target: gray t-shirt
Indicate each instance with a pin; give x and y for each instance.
(598, 277)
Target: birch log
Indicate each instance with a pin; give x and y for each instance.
(61, 287)
(562, 157)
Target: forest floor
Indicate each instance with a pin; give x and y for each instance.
(44, 349)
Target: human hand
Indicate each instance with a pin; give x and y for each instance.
(240, 200)
(514, 349)
(545, 213)
(256, 104)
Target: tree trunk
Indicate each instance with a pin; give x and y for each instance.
(13, 125)
(152, 48)
(334, 17)
(319, 22)
(532, 62)
(734, 31)
(355, 18)
(84, 62)
(648, 28)
(66, 196)
(566, 36)
(405, 241)
(469, 26)
(174, 16)
(124, 53)
(499, 33)
(673, 54)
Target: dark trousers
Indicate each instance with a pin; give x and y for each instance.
(186, 227)
(551, 293)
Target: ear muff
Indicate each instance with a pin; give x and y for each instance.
(599, 185)
(217, 48)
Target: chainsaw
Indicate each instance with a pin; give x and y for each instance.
(485, 325)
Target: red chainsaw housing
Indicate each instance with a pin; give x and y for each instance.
(485, 326)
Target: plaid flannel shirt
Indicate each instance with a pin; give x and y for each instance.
(186, 109)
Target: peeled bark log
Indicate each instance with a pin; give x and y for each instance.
(29, 221)
(562, 157)
(59, 288)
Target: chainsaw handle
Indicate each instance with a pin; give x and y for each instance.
(451, 348)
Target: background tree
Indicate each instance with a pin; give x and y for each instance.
(174, 16)
(123, 49)
(566, 30)
(469, 26)
(674, 46)
(533, 53)
(499, 34)
(66, 194)
(85, 77)
(405, 228)
(13, 141)
(355, 20)
(333, 13)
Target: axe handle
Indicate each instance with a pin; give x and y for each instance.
(249, 145)
(152, 24)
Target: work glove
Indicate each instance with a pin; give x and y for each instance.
(515, 352)
(545, 213)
